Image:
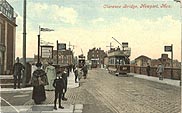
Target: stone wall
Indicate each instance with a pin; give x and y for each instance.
(166, 73)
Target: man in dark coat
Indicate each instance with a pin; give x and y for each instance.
(39, 80)
(76, 74)
(17, 69)
(148, 69)
(85, 71)
(59, 86)
(64, 76)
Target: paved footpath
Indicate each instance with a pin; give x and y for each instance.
(43, 108)
(156, 79)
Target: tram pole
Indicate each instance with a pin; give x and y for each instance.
(24, 44)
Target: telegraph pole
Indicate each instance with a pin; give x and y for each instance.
(38, 55)
(110, 46)
(172, 61)
(57, 50)
(24, 44)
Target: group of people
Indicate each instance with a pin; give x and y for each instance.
(159, 71)
(50, 79)
(78, 74)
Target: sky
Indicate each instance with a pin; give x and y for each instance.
(147, 25)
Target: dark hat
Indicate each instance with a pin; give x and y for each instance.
(38, 64)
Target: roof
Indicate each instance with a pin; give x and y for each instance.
(142, 56)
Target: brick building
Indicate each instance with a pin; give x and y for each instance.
(7, 37)
(64, 57)
(166, 61)
(96, 56)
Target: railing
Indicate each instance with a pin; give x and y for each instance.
(166, 73)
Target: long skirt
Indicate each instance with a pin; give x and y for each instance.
(38, 94)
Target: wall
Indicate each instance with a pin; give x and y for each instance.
(166, 74)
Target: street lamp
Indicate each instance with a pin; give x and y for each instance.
(24, 43)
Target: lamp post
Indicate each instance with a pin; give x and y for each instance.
(24, 43)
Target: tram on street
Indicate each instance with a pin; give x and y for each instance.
(118, 61)
(81, 60)
(94, 62)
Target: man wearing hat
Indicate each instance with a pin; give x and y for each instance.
(17, 69)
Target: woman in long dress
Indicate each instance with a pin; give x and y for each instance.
(51, 75)
(39, 80)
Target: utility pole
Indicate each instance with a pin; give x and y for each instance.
(172, 62)
(57, 51)
(110, 46)
(24, 44)
(38, 54)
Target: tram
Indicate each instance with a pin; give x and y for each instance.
(81, 61)
(94, 62)
(118, 61)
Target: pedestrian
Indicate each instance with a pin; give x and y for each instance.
(85, 71)
(59, 86)
(160, 70)
(76, 74)
(68, 70)
(74, 66)
(80, 73)
(64, 76)
(17, 72)
(38, 81)
(148, 69)
(51, 75)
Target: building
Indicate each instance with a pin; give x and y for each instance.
(64, 57)
(96, 56)
(7, 37)
(142, 60)
(166, 61)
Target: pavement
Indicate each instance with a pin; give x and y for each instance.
(156, 79)
(43, 108)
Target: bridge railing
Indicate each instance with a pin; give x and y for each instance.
(166, 73)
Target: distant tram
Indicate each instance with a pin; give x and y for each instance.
(81, 60)
(118, 61)
(94, 62)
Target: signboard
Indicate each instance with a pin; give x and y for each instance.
(124, 44)
(168, 48)
(61, 46)
(6, 9)
(46, 52)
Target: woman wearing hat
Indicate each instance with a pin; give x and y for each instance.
(38, 81)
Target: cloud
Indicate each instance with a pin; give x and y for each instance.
(98, 20)
(46, 13)
(145, 36)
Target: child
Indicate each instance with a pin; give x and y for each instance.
(59, 86)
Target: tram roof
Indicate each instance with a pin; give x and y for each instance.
(123, 53)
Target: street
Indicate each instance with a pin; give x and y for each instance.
(102, 92)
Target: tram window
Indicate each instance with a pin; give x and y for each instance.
(122, 62)
(117, 61)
